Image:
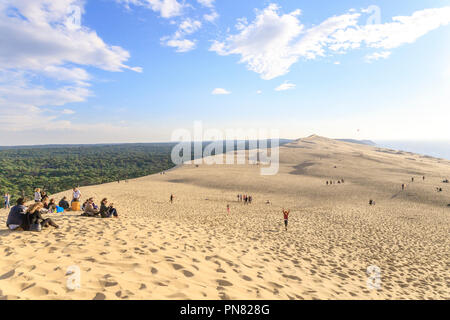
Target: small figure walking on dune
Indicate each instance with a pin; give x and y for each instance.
(423, 178)
(403, 186)
(171, 198)
(286, 217)
(7, 198)
(228, 208)
(412, 179)
(327, 182)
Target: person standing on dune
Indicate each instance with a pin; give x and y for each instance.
(286, 217)
(228, 208)
(171, 198)
(7, 199)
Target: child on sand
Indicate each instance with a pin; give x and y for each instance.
(286, 217)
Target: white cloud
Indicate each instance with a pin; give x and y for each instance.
(377, 56)
(264, 45)
(285, 86)
(189, 26)
(259, 92)
(166, 8)
(273, 42)
(211, 17)
(207, 3)
(220, 91)
(68, 111)
(178, 41)
(183, 45)
(42, 39)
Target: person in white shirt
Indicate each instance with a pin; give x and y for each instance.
(76, 195)
(37, 195)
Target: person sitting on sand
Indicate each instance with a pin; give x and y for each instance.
(107, 211)
(64, 203)
(43, 194)
(51, 205)
(37, 195)
(89, 210)
(286, 217)
(17, 215)
(34, 217)
(45, 202)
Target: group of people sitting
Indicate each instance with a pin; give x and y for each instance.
(244, 198)
(90, 209)
(29, 218)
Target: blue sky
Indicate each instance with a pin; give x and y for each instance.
(135, 70)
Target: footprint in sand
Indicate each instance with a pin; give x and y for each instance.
(224, 283)
(154, 270)
(187, 273)
(7, 275)
(99, 296)
(177, 266)
(246, 278)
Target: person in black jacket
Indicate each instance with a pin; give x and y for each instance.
(17, 215)
(64, 203)
(107, 211)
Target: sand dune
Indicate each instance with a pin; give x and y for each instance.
(194, 249)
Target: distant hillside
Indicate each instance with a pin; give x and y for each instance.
(366, 142)
(57, 168)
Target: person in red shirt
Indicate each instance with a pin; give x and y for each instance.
(286, 217)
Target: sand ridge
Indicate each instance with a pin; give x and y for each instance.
(194, 249)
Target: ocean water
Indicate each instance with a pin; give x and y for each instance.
(437, 149)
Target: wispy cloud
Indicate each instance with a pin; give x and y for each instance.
(285, 86)
(45, 39)
(378, 55)
(273, 42)
(166, 8)
(220, 91)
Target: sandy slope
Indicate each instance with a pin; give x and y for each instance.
(194, 249)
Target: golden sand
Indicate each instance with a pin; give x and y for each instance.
(194, 249)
